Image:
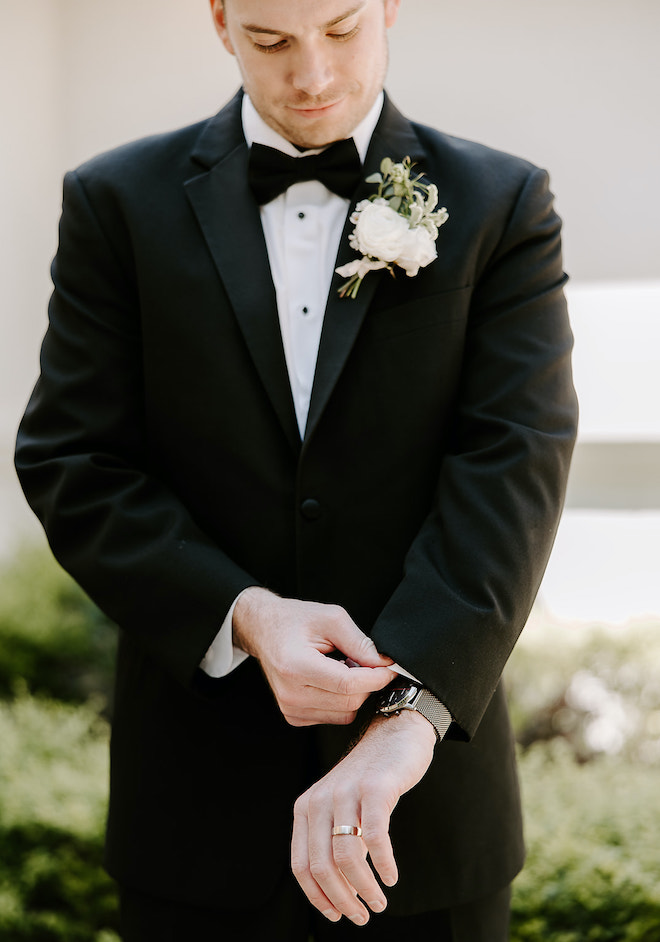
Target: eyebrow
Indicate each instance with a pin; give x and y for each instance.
(254, 28)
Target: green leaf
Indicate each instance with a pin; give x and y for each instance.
(374, 178)
(395, 203)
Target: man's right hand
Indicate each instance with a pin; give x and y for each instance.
(291, 640)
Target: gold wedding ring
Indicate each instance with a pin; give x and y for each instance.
(353, 830)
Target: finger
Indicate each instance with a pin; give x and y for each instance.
(354, 644)
(320, 706)
(316, 698)
(350, 855)
(375, 834)
(301, 869)
(331, 881)
(336, 677)
(319, 718)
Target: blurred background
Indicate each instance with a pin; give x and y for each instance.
(572, 86)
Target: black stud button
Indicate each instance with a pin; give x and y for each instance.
(310, 509)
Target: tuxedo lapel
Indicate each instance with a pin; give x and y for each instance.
(231, 225)
(393, 137)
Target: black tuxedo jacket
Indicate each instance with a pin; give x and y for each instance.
(160, 449)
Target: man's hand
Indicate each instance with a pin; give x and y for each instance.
(363, 789)
(291, 639)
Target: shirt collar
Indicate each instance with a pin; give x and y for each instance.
(256, 130)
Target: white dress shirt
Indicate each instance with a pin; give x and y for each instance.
(302, 228)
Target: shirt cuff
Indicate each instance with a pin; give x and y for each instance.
(223, 656)
(404, 672)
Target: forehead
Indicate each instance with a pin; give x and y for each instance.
(293, 16)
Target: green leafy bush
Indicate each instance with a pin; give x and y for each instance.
(52, 636)
(53, 791)
(586, 710)
(593, 837)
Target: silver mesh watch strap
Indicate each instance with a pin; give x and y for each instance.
(433, 710)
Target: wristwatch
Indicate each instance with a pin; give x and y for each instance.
(410, 696)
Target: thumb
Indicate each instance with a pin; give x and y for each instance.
(358, 648)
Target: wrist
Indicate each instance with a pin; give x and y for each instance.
(407, 723)
(246, 617)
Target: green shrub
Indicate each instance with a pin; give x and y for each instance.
(585, 704)
(593, 838)
(53, 792)
(51, 635)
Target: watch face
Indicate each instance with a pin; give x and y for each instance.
(397, 698)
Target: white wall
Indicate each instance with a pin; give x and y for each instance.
(574, 85)
(134, 67)
(30, 162)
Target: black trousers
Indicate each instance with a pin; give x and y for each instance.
(289, 918)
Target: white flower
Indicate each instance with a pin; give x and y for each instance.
(417, 252)
(379, 231)
(397, 226)
(360, 267)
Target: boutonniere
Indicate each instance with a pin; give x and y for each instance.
(398, 225)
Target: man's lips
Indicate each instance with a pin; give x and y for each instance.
(317, 111)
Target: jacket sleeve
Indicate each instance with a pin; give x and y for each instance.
(473, 571)
(83, 460)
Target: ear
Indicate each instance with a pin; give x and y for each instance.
(391, 12)
(220, 23)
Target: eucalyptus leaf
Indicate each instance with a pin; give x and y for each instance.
(374, 178)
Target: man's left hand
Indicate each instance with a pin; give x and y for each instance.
(363, 789)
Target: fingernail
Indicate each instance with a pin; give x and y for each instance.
(377, 906)
(332, 915)
(359, 919)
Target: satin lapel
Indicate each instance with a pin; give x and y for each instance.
(393, 137)
(229, 219)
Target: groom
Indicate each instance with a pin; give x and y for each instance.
(319, 521)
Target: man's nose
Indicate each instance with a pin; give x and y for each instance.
(312, 72)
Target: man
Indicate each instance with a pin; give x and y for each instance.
(289, 499)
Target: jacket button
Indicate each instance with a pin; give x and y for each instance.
(310, 509)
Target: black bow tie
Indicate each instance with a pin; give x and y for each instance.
(270, 172)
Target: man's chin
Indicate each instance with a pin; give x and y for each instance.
(310, 139)
(313, 128)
